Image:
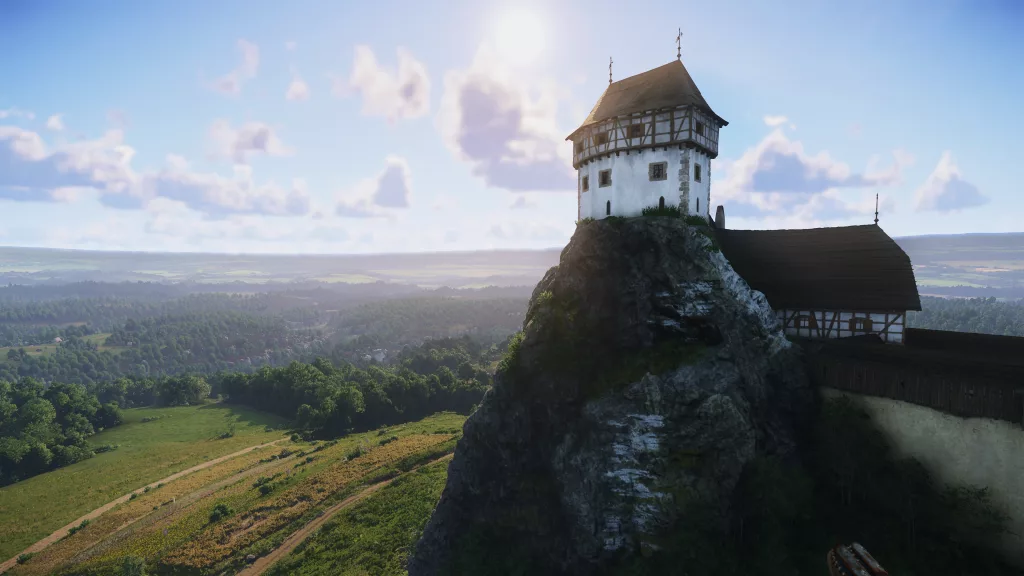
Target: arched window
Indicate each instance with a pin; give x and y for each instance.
(608, 208)
(661, 203)
(698, 205)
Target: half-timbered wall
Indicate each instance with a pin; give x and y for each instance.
(842, 324)
(676, 127)
(631, 189)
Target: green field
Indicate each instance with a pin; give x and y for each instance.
(148, 451)
(374, 536)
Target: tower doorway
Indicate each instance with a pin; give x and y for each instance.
(661, 203)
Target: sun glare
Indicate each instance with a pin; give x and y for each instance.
(519, 37)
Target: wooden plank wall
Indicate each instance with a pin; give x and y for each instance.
(963, 393)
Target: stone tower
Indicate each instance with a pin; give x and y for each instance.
(649, 141)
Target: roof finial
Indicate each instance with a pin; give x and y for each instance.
(876, 209)
(679, 45)
(610, 69)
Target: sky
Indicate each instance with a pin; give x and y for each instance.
(372, 127)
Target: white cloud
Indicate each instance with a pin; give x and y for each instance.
(250, 139)
(778, 177)
(945, 190)
(16, 113)
(373, 197)
(231, 83)
(55, 123)
(404, 93)
(297, 89)
(35, 173)
(505, 127)
(775, 121)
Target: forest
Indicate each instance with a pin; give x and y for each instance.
(45, 427)
(983, 315)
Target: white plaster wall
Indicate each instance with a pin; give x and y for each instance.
(842, 325)
(958, 451)
(632, 190)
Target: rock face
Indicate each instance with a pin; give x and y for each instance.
(647, 376)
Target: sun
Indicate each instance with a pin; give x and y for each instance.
(519, 36)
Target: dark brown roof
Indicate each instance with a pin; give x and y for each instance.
(843, 268)
(666, 86)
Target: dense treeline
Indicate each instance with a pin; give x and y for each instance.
(197, 343)
(325, 400)
(984, 315)
(22, 335)
(413, 320)
(45, 427)
(105, 312)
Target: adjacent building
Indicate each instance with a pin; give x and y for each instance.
(827, 282)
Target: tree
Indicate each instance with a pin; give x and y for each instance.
(183, 390)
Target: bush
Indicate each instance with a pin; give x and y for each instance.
(669, 211)
(266, 488)
(695, 220)
(388, 440)
(220, 512)
(133, 566)
(75, 529)
(105, 448)
(584, 221)
(133, 496)
(22, 558)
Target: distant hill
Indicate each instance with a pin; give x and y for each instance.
(966, 265)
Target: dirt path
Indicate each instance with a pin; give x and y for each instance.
(292, 542)
(179, 504)
(62, 532)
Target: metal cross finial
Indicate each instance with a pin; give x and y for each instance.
(679, 44)
(610, 69)
(876, 209)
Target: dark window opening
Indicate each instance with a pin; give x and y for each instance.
(608, 208)
(698, 205)
(699, 128)
(661, 203)
(636, 130)
(601, 138)
(696, 172)
(657, 171)
(604, 178)
(806, 322)
(577, 147)
(861, 325)
(586, 183)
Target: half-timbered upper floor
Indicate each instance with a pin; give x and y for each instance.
(658, 108)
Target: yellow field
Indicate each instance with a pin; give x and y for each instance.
(171, 527)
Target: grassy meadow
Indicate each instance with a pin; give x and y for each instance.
(211, 521)
(376, 535)
(177, 439)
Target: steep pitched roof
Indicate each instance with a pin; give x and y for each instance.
(842, 268)
(666, 86)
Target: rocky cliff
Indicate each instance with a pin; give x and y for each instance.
(647, 376)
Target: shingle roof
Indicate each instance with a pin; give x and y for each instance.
(666, 86)
(843, 268)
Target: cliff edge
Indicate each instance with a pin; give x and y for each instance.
(647, 375)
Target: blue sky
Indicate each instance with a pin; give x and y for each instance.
(344, 127)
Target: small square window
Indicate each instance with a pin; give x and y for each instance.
(604, 178)
(636, 130)
(586, 183)
(696, 172)
(601, 138)
(806, 322)
(699, 128)
(657, 171)
(861, 325)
